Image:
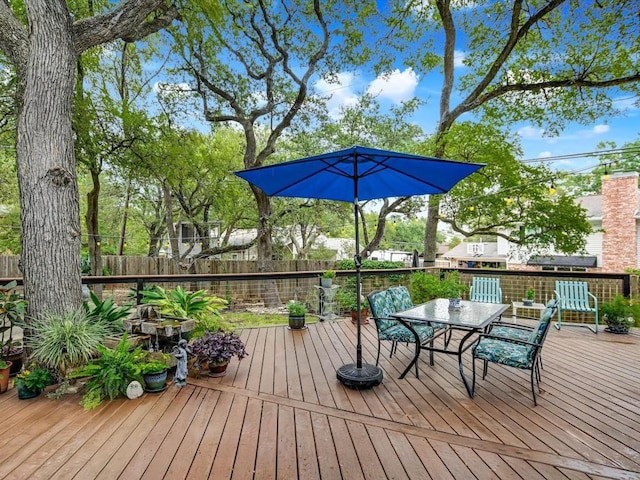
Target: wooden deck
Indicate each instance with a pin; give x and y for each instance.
(281, 413)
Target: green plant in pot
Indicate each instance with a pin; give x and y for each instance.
(111, 372)
(12, 310)
(154, 372)
(5, 366)
(326, 280)
(32, 380)
(619, 313)
(297, 314)
(62, 342)
(452, 288)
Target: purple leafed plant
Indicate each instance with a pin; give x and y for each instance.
(218, 347)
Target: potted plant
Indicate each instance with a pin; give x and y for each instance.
(619, 313)
(216, 349)
(364, 311)
(13, 352)
(297, 312)
(154, 373)
(5, 366)
(31, 381)
(452, 288)
(12, 310)
(111, 372)
(327, 278)
(529, 295)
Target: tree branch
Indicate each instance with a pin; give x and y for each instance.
(131, 21)
(14, 41)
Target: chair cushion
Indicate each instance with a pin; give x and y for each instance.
(401, 298)
(382, 306)
(400, 333)
(505, 353)
(511, 332)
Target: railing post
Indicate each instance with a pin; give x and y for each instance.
(139, 288)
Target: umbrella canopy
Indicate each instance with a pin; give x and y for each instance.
(352, 175)
(357, 174)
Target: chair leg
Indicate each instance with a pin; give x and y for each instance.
(484, 369)
(533, 389)
(378, 357)
(394, 346)
(473, 369)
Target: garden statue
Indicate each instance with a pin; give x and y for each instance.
(180, 353)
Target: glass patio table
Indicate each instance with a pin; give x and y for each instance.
(473, 317)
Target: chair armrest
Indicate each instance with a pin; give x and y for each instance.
(513, 325)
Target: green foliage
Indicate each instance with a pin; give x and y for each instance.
(12, 306)
(329, 274)
(34, 378)
(619, 309)
(107, 313)
(205, 310)
(64, 341)
(425, 286)
(111, 373)
(296, 308)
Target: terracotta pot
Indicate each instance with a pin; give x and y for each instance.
(4, 377)
(218, 369)
(364, 316)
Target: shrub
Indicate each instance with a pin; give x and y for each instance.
(218, 347)
(111, 373)
(296, 308)
(64, 341)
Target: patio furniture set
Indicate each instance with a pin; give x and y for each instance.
(484, 333)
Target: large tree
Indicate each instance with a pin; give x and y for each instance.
(257, 68)
(42, 41)
(546, 62)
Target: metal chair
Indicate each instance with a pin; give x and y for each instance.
(485, 289)
(381, 305)
(514, 352)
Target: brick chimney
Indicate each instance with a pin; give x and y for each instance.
(619, 209)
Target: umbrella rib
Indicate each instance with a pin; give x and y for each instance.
(379, 164)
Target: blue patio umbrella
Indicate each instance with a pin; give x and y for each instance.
(352, 175)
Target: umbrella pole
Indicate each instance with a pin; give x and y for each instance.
(359, 375)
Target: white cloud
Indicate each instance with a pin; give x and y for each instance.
(396, 86)
(458, 58)
(530, 132)
(340, 93)
(599, 129)
(545, 154)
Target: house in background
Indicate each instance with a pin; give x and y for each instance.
(478, 255)
(613, 245)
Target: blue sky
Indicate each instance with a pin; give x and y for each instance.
(405, 84)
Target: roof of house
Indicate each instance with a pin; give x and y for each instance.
(563, 261)
(490, 253)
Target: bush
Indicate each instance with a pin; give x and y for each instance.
(111, 373)
(62, 342)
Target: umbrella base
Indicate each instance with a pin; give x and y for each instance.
(360, 378)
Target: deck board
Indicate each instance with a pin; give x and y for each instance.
(281, 413)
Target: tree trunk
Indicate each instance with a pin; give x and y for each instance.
(270, 294)
(93, 228)
(50, 213)
(125, 216)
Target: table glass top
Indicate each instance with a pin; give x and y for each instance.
(471, 314)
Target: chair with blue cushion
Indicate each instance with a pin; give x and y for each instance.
(402, 301)
(485, 289)
(381, 306)
(514, 352)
